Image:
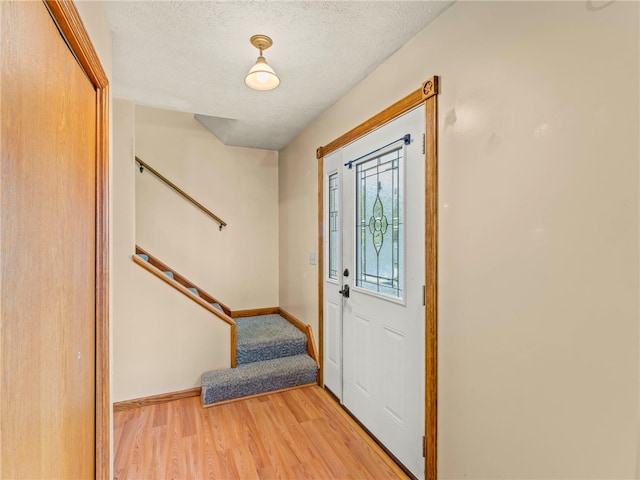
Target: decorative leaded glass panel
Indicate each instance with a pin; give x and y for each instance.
(379, 224)
(333, 226)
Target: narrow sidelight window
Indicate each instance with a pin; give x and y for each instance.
(333, 226)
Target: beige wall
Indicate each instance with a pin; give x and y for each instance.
(162, 341)
(238, 265)
(539, 214)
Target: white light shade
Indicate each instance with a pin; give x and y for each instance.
(261, 76)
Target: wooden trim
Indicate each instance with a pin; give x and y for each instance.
(70, 24)
(156, 399)
(233, 345)
(312, 349)
(431, 280)
(254, 312)
(184, 194)
(182, 289)
(183, 281)
(321, 268)
(430, 88)
(407, 103)
(292, 320)
(103, 401)
(304, 328)
(427, 93)
(257, 395)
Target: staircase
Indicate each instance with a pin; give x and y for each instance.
(271, 352)
(144, 256)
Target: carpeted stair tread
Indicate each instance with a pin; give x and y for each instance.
(194, 291)
(143, 256)
(217, 306)
(168, 273)
(258, 377)
(265, 337)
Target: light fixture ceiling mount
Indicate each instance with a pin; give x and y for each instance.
(261, 76)
(261, 42)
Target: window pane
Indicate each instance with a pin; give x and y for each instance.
(379, 224)
(333, 226)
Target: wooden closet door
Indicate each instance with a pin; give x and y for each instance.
(47, 251)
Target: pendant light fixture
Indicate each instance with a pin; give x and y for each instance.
(261, 76)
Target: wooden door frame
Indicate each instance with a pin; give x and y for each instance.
(427, 94)
(70, 25)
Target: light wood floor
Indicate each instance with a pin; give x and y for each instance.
(297, 434)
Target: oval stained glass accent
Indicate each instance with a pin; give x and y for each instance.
(378, 224)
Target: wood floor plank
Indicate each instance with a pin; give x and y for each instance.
(244, 462)
(297, 434)
(256, 440)
(287, 431)
(155, 451)
(280, 455)
(173, 456)
(298, 401)
(335, 459)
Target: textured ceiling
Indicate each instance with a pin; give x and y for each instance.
(193, 56)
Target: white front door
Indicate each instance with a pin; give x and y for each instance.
(381, 263)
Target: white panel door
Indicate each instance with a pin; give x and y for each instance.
(382, 206)
(332, 299)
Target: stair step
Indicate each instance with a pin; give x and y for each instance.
(143, 256)
(168, 273)
(258, 377)
(194, 291)
(217, 306)
(265, 337)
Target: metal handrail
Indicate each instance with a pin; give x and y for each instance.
(221, 223)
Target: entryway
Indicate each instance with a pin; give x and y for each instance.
(374, 285)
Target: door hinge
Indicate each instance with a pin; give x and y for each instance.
(424, 295)
(424, 447)
(423, 140)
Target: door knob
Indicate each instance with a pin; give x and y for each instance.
(345, 291)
